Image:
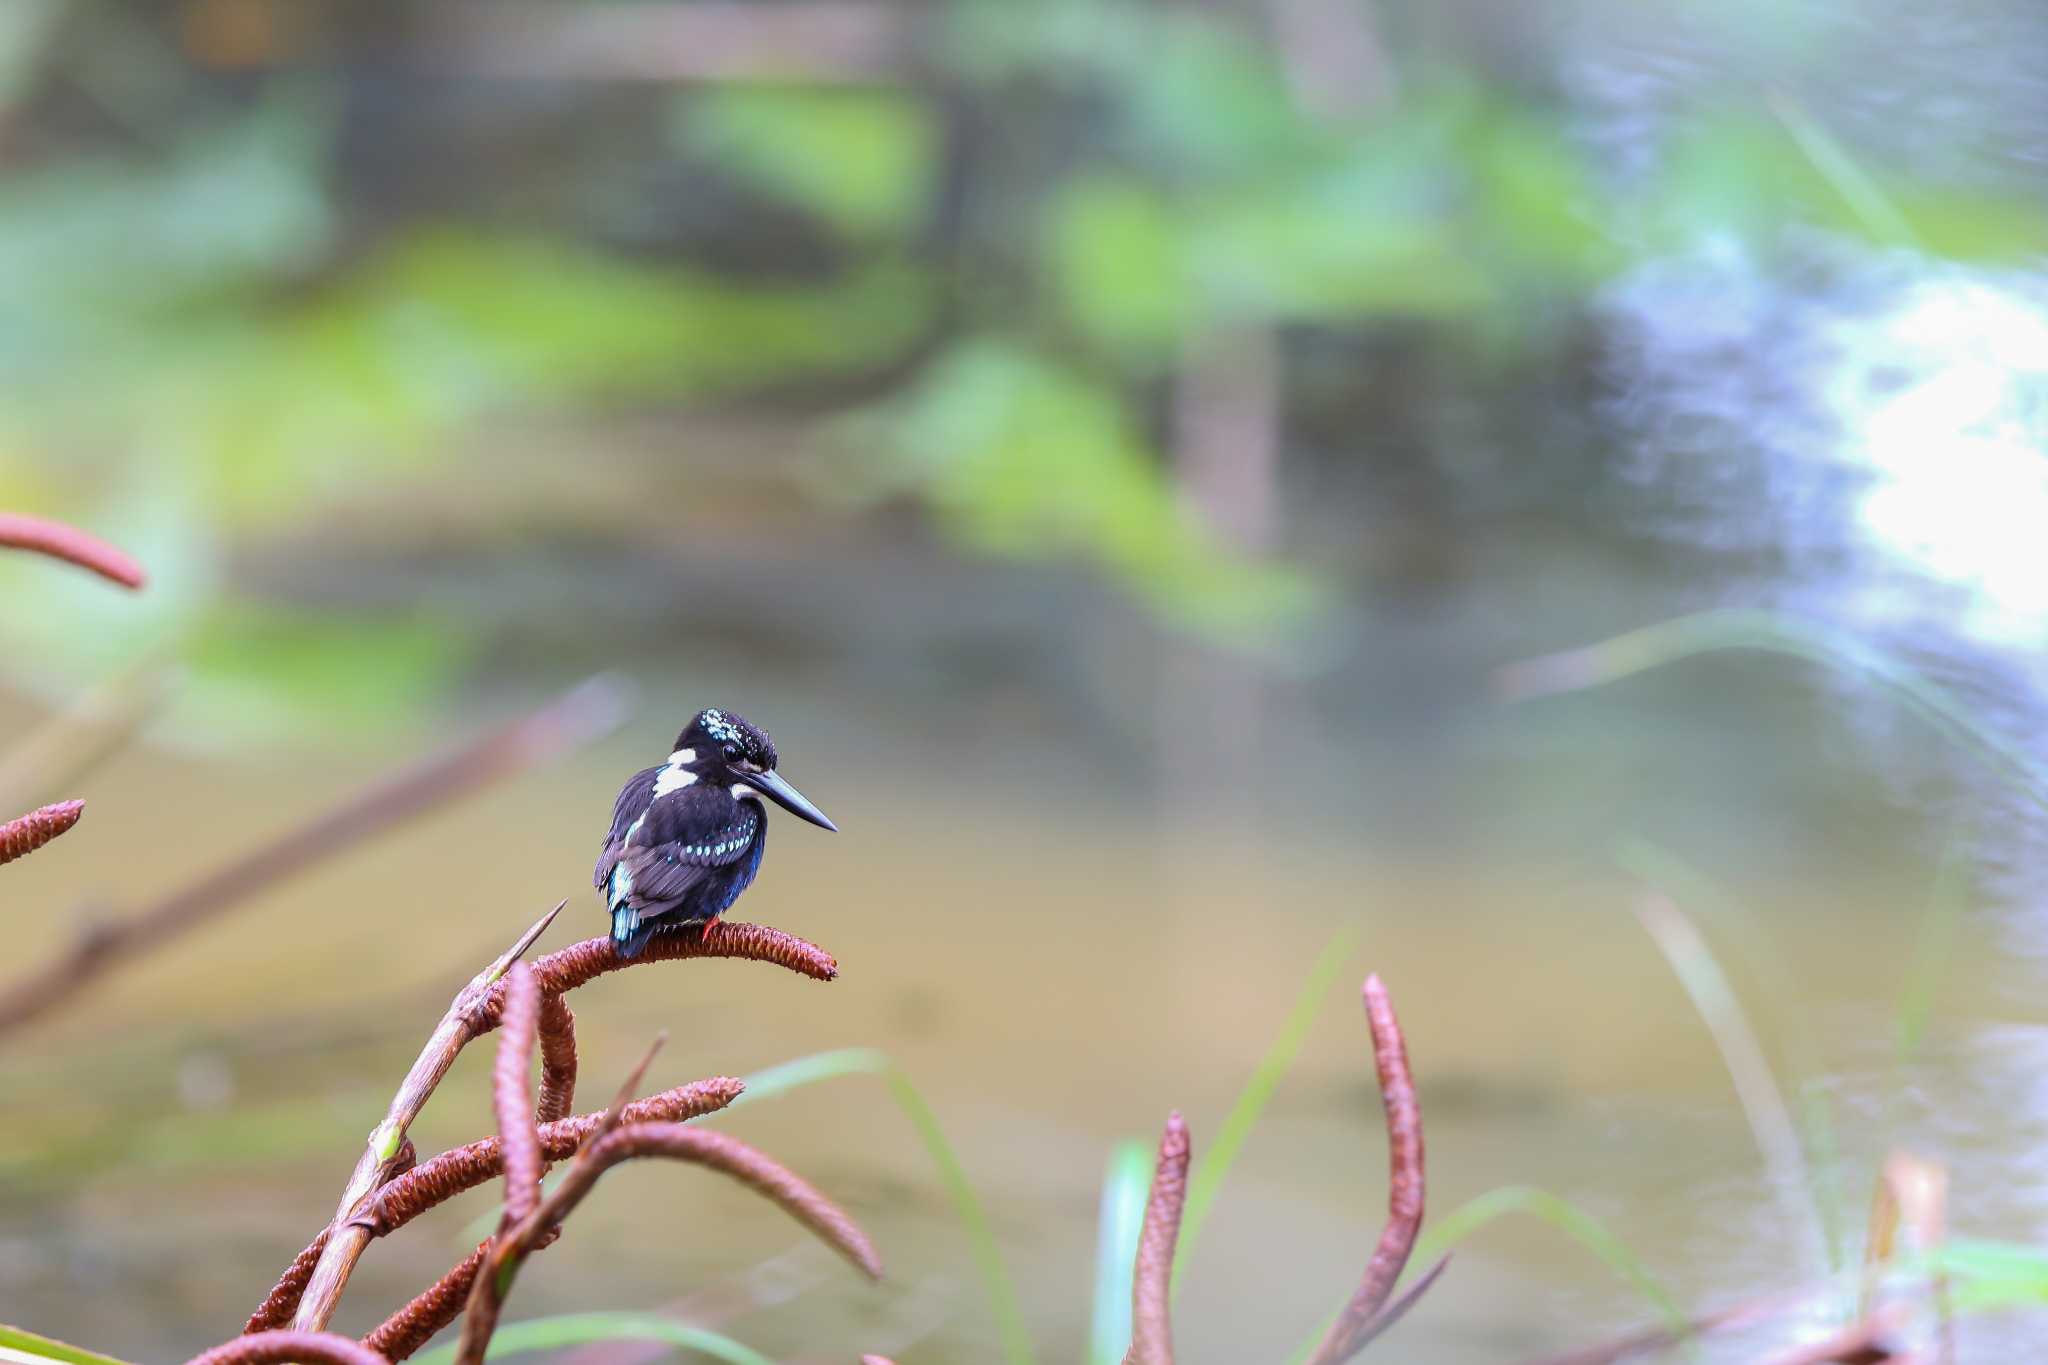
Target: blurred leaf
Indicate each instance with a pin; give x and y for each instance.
(28, 1344)
(1020, 456)
(344, 668)
(1114, 248)
(1310, 252)
(1208, 99)
(94, 251)
(863, 159)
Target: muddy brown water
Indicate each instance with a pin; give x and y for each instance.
(1056, 964)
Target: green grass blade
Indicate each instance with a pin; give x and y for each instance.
(819, 1066)
(1663, 869)
(18, 1344)
(1566, 1217)
(1685, 637)
(1872, 208)
(580, 1329)
(1990, 1276)
(1211, 1168)
(1933, 947)
(1770, 1119)
(967, 1206)
(1125, 1186)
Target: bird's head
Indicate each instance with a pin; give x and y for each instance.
(723, 748)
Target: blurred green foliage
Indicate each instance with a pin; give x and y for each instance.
(1012, 250)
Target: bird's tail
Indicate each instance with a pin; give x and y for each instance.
(628, 937)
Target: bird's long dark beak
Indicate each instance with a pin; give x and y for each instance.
(771, 785)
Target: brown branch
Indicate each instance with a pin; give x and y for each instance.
(479, 1009)
(25, 834)
(282, 1348)
(68, 543)
(676, 1142)
(557, 1059)
(1356, 1325)
(509, 1097)
(578, 716)
(346, 1241)
(276, 1309)
(1152, 1281)
(581, 963)
(441, 1178)
(439, 1304)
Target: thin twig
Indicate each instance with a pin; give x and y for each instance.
(582, 714)
(1152, 1281)
(346, 1241)
(510, 1100)
(676, 1142)
(557, 1059)
(282, 1348)
(25, 834)
(1355, 1325)
(68, 543)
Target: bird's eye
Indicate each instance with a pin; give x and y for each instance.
(732, 753)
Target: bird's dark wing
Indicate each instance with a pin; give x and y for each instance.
(687, 836)
(633, 799)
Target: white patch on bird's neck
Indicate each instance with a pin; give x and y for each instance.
(742, 792)
(682, 758)
(675, 776)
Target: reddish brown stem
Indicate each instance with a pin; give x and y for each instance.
(676, 1142)
(464, 1168)
(581, 963)
(439, 1304)
(73, 546)
(1355, 1325)
(25, 834)
(276, 1309)
(1152, 1281)
(281, 1348)
(509, 1097)
(557, 1059)
(479, 1010)
(434, 1182)
(378, 1163)
(573, 719)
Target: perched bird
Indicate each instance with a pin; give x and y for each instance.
(686, 836)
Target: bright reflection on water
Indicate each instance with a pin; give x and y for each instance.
(1861, 436)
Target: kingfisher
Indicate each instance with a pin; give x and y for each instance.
(687, 834)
